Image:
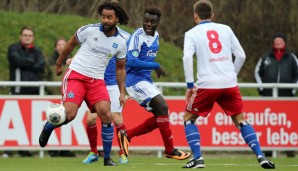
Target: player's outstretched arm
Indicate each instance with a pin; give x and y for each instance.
(70, 45)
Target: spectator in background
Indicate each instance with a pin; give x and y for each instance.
(279, 65)
(26, 63)
(50, 65)
(59, 45)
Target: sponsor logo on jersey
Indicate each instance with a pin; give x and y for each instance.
(150, 53)
(135, 53)
(115, 45)
(101, 50)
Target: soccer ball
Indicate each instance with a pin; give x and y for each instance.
(55, 114)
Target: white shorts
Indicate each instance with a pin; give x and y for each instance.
(143, 92)
(114, 97)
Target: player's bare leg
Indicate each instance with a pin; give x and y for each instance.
(160, 110)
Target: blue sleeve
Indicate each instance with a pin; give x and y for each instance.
(190, 85)
(136, 63)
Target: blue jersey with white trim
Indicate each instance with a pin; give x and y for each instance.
(110, 73)
(141, 47)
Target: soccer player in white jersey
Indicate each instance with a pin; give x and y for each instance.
(84, 79)
(142, 49)
(214, 45)
(116, 110)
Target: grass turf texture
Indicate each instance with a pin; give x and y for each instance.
(142, 163)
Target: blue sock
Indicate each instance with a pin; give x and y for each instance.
(49, 127)
(193, 138)
(107, 134)
(250, 137)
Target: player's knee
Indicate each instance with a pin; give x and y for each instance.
(71, 111)
(163, 109)
(91, 120)
(117, 119)
(70, 115)
(237, 119)
(105, 113)
(105, 116)
(188, 116)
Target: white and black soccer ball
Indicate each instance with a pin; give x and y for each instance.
(55, 114)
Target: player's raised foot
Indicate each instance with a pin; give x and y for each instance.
(266, 163)
(92, 157)
(109, 162)
(195, 163)
(123, 159)
(44, 136)
(178, 155)
(124, 141)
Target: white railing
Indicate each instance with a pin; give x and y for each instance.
(161, 85)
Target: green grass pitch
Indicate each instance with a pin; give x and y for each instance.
(142, 163)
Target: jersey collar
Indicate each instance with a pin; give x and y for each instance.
(204, 22)
(116, 33)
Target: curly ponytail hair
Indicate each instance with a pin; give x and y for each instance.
(120, 12)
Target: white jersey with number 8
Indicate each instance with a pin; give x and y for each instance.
(213, 45)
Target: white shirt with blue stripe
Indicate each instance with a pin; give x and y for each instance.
(96, 50)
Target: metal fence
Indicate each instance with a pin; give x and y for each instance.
(161, 85)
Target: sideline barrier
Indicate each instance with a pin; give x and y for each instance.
(22, 118)
(274, 119)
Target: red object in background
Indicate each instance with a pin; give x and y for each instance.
(275, 122)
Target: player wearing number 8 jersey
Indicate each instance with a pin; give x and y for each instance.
(214, 45)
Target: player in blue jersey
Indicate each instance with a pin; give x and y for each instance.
(116, 110)
(142, 49)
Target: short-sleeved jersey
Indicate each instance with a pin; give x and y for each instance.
(144, 47)
(110, 74)
(96, 50)
(213, 45)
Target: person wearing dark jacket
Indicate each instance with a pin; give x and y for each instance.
(26, 62)
(279, 65)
